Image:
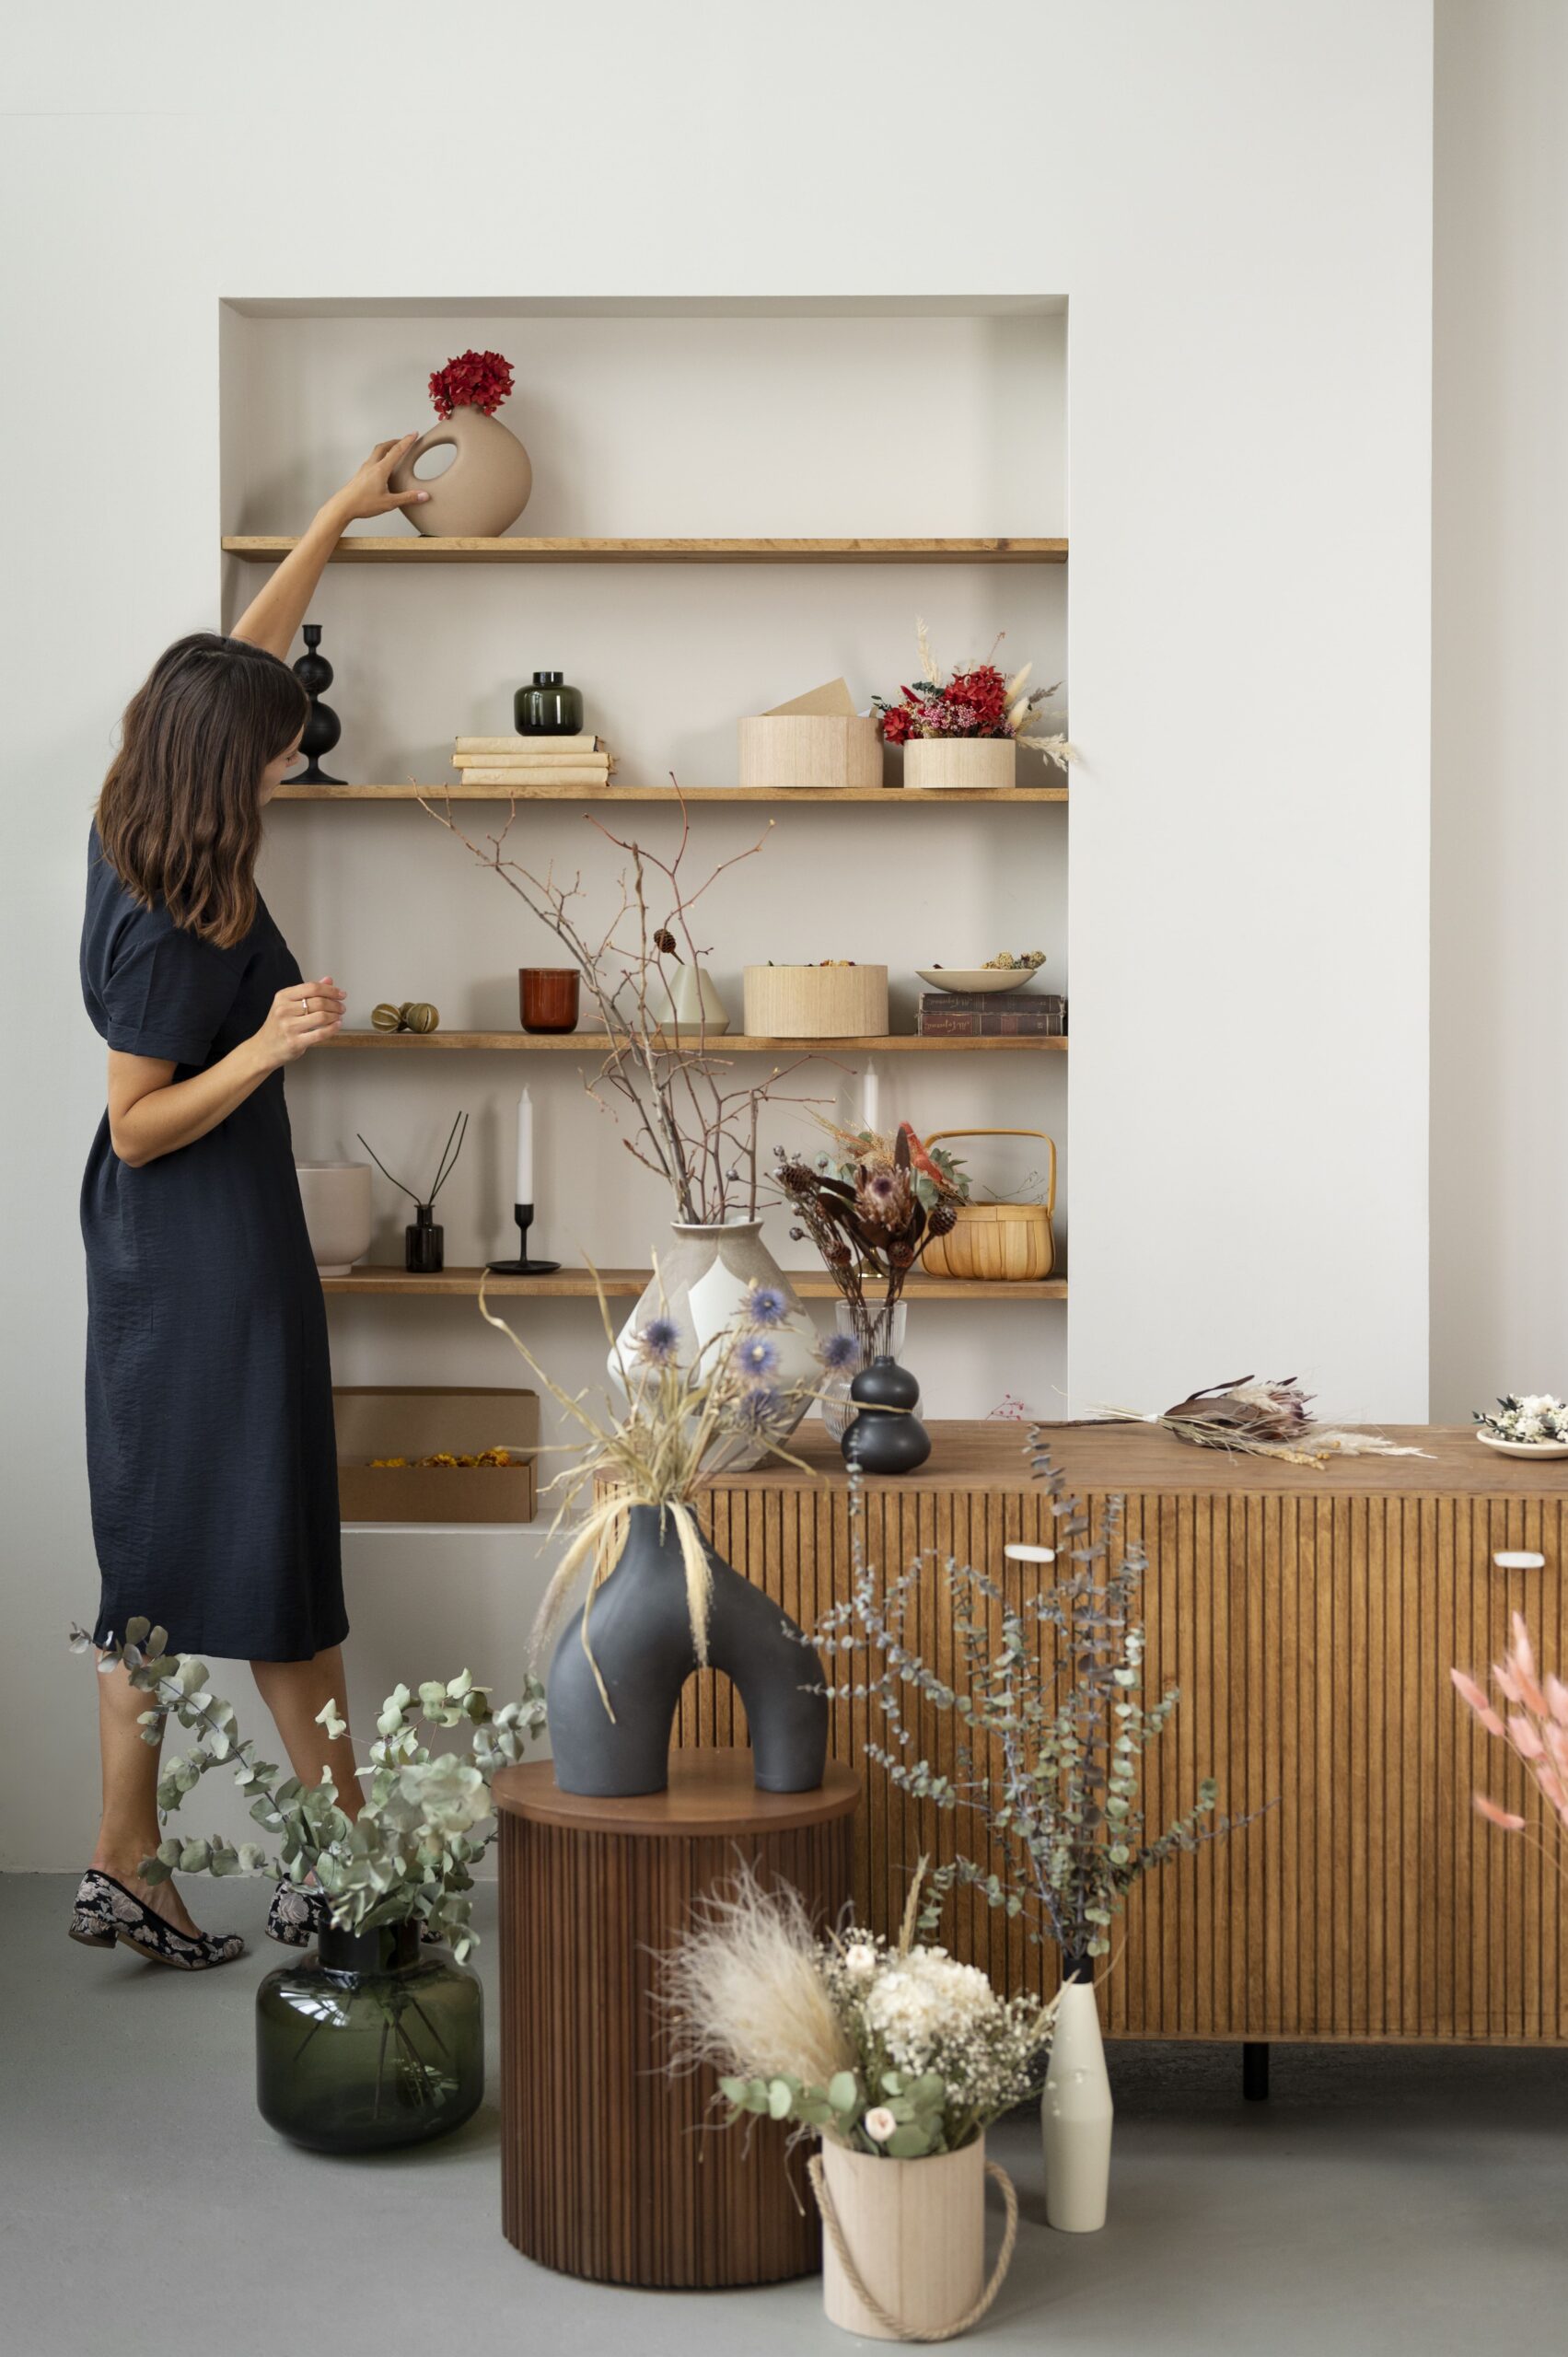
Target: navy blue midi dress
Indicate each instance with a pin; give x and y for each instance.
(211, 1455)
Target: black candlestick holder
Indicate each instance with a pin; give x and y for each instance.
(522, 1266)
(322, 727)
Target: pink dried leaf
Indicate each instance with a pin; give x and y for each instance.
(1557, 1700)
(1524, 1652)
(1469, 1692)
(1497, 1816)
(1506, 1683)
(1523, 1736)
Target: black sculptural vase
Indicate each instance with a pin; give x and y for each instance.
(323, 727)
(887, 1436)
(640, 1633)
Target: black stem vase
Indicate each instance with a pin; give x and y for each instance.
(640, 1629)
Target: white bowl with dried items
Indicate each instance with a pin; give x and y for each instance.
(1533, 1423)
(1005, 972)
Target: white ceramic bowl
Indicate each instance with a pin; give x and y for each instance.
(1523, 1447)
(978, 977)
(336, 1196)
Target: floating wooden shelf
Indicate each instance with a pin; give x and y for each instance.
(579, 1285)
(267, 547)
(691, 796)
(729, 1043)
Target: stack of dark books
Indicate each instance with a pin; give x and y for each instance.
(992, 1015)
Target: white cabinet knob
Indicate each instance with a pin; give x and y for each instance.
(1016, 1551)
(1519, 1559)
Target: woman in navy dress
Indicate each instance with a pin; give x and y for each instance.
(211, 1456)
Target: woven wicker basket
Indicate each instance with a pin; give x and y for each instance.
(1013, 1243)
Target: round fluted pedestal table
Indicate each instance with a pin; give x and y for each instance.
(610, 2168)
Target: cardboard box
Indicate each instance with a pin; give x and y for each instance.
(415, 1419)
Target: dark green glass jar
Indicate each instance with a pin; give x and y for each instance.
(548, 708)
(370, 2042)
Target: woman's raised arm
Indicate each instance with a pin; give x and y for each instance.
(276, 612)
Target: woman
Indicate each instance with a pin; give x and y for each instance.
(210, 1449)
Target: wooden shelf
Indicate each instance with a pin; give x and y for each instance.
(409, 548)
(691, 796)
(728, 1043)
(579, 1285)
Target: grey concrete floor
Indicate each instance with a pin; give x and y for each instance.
(1384, 2200)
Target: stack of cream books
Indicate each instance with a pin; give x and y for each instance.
(530, 762)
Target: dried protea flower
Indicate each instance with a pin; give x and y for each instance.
(884, 1197)
(1279, 1410)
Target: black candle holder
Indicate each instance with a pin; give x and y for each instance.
(322, 727)
(522, 1266)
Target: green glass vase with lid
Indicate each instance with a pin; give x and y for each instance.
(548, 708)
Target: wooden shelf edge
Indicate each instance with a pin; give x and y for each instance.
(579, 1285)
(371, 548)
(595, 1043)
(691, 796)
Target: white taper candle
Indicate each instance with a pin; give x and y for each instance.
(525, 1149)
(871, 1100)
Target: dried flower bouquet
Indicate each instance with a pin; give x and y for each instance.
(872, 1227)
(979, 700)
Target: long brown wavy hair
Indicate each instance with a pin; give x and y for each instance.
(179, 816)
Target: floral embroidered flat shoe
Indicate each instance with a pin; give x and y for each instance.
(107, 1914)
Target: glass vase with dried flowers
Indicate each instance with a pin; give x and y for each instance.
(424, 1244)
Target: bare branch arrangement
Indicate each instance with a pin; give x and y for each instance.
(669, 1091)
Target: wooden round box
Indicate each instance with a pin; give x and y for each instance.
(817, 1002)
(816, 751)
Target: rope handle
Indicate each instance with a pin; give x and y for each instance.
(890, 2322)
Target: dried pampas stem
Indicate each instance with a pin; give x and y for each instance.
(743, 1991)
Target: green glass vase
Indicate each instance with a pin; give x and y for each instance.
(370, 2042)
(548, 708)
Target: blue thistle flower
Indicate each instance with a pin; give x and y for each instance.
(765, 1306)
(657, 1342)
(755, 1357)
(761, 1411)
(840, 1354)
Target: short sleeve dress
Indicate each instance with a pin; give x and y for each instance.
(211, 1456)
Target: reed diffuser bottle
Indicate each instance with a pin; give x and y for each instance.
(424, 1252)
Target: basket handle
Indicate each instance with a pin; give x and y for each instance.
(937, 1137)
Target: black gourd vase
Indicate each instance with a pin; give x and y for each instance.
(640, 1629)
(323, 727)
(887, 1436)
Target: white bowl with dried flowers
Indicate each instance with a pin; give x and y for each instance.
(1532, 1423)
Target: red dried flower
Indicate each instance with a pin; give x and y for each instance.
(472, 381)
(895, 723)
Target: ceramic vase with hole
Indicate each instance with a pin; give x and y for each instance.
(879, 1335)
(370, 2042)
(336, 1196)
(886, 1437)
(1076, 2111)
(639, 1626)
(483, 491)
(700, 1284)
(915, 2234)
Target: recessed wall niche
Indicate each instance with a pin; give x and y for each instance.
(891, 418)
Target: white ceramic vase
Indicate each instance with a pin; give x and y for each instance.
(1076, 2113)
(700, 1281)
(915, 2231)
(336, 1196)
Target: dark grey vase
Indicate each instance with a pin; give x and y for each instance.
(641, 1634)
(887, 1436)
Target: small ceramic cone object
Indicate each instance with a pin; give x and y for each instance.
(483, 491)
(915, 2231)
(1076, 2113)
(696, 1003)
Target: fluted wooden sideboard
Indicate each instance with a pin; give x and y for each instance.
(1311, 1620)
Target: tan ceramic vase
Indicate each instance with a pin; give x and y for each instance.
(484, 490)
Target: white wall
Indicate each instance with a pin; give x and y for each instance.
(1235, 197)
(1499, 627)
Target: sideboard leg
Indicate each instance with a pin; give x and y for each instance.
(1254, 2070)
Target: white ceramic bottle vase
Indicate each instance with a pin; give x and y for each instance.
(1076, 2111)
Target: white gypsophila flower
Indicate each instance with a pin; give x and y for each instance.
(880, 2124)
(919, 2000)
(860, 1957)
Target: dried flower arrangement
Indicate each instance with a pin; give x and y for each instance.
(979, 700)
(680, 1117)
(1526, 1420)
(480, 381)
(873, 1225)
(1047, 1759)
(893, 2050)
(1263, 1417)
(409, 1853)
(1535, 1731)
(678, 1428)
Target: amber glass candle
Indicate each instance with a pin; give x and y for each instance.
(549, 997)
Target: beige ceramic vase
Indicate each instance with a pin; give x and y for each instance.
(484, 490)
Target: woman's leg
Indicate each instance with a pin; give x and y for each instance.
(129, 1830)
(295, 1692)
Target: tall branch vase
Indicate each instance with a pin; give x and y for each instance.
(1076, 2111)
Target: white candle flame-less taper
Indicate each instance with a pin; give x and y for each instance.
(525, 1149)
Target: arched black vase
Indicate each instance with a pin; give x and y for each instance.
(323, 727)
(886, 1438)
(640, 1633)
